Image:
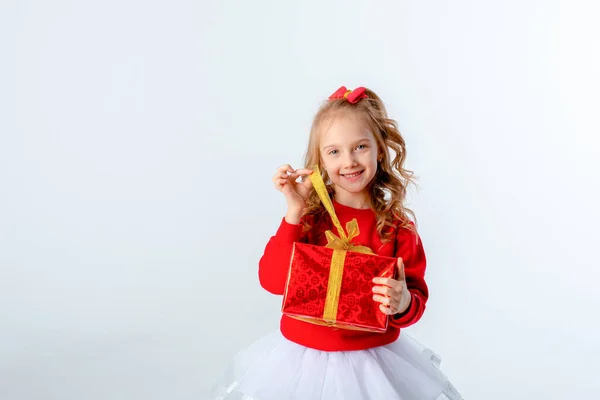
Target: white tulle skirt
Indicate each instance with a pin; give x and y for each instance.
(273, 368)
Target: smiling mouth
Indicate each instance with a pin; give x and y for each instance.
(352, 175)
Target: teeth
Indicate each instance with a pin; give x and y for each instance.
(352, 175)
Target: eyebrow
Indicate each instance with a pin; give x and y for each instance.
(365, 139)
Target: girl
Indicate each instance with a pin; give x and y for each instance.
(361, 155)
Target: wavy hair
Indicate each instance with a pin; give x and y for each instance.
(388, 188)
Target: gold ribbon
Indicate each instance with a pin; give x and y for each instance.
(340, 244)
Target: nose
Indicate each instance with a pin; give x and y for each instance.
(350, 160)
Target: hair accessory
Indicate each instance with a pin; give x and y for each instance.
(353, 96)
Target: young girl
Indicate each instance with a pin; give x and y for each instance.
(361, 155)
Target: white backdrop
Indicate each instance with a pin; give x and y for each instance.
(137, 143)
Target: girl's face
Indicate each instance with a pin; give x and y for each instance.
(349, 154)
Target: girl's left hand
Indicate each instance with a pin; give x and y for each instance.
(393, 294)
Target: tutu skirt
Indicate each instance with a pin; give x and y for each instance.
(274, 368)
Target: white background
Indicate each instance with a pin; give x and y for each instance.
(137, 143)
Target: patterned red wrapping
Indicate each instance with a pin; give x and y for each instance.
(309, 294)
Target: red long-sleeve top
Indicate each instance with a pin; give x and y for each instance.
(274, 264)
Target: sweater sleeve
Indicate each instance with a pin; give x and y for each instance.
(274, 264)
(410, 248)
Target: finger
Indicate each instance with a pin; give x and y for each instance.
(304, 171)
(384, 281)
(278, 176)
(401, 274)
(383, 300)
(285, 168)
(293, 176)
(385, 290)
(300, 173)
(386, 310)
(307, 183)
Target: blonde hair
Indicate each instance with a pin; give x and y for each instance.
(388, 188)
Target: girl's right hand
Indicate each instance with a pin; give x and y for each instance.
(295, 192)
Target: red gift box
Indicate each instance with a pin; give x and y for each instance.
(332, 285)
(314, 293)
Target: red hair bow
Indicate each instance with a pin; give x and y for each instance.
(353, 96)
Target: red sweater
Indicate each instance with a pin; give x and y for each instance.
(274, 264)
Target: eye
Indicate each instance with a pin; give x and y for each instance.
(361, 146)
(333, 152)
